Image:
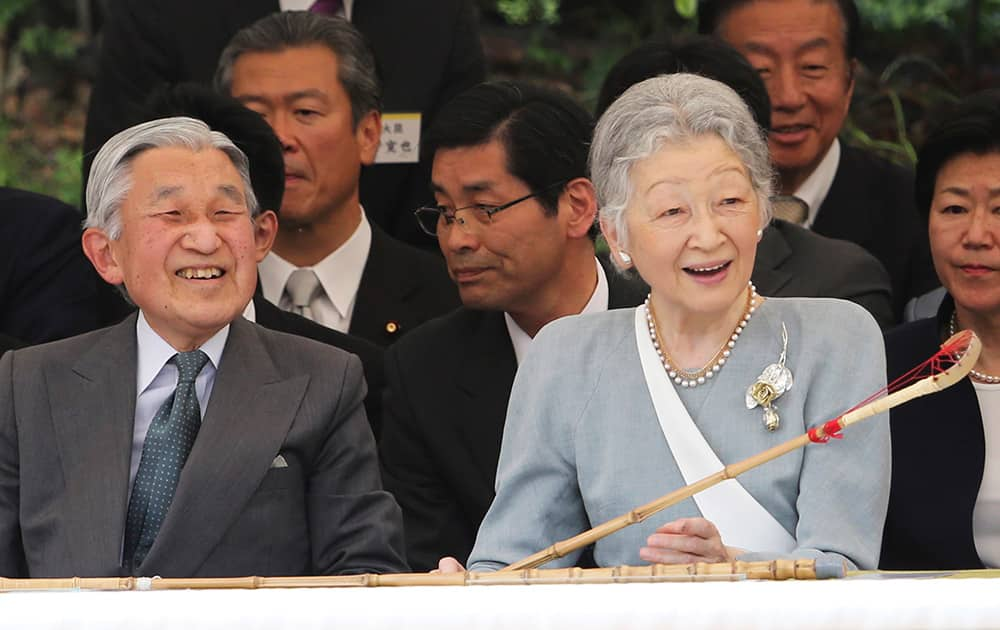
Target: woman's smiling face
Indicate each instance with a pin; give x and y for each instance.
(692, 226)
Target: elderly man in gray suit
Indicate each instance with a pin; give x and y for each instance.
(106, 466)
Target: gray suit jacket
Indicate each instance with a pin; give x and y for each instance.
(582, 444)
(66, 416)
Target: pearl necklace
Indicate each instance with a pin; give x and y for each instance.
(982, 377)
(694, 379)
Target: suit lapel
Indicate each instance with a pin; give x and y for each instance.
(484, 379)
(94, 438)
(244, 427)
(772, 252)
(846, 211)
(375, 297)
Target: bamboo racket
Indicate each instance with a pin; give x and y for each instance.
(802, 569)
(961, 350)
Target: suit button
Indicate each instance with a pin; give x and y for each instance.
(391, 328)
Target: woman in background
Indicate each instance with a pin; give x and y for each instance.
(944, 506)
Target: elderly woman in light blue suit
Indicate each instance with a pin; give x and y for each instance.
(612, 410)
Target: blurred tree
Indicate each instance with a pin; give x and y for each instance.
(574, 42)
(956, 30)
(44, 75)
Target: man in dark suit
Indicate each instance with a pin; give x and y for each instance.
(48, 290)
(515, 222)
(255, 138)
(312, 78)
(791, 261)
(105, 465)
(427, 53)
(805, 50)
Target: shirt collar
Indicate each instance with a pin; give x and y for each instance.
(153, 351)
(598, 302)
(250, 312)
(813, 191)
(339, 273)
(303, 5)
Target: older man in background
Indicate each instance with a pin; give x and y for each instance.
(427, 53)
(313, 79)
(806, 52)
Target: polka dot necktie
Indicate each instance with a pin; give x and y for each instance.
(166, 448)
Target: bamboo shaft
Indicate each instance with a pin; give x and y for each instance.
(765, 570)
(922, 387)
(67, 584)
(641, 513)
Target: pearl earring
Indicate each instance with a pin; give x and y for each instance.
(760, 233)
(625, 257)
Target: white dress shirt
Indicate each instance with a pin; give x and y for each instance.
(986, 514)
(813, 191)
(339, 275)
(303, 5)
(156, 379)
(598, 302)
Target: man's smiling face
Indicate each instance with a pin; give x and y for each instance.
(799, 49)
(188, 248)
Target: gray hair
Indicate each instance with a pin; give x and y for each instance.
(111, 174)
(356, 67)
(672, 109)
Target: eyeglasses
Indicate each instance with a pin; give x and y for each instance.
(432, 219)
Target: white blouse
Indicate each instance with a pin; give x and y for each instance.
(986, 516)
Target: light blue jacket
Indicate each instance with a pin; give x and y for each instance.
(582, 444)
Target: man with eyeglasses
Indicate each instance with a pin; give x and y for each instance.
(515, 221)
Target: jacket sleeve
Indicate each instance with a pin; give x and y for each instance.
(355, 525)
(12, 562)
(435, 524)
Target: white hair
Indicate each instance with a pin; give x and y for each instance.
(111, 174)
(672, 109)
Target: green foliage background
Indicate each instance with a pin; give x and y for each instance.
(917, 54)
(39, 51)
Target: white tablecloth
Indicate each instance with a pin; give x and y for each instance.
(850, 603)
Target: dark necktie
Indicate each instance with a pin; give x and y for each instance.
(166, 448)
(326, 7)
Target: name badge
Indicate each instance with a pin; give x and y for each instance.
(400, 143)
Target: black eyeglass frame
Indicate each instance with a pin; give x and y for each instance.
(451, 217)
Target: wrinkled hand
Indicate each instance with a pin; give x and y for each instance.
(684, 541)
(449, 565)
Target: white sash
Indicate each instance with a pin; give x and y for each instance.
(740, 519)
